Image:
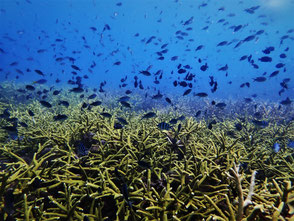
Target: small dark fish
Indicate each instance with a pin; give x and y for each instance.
(118, 126)
(275, 73)
(19, 71)
(183, 83)
(146, 73)
(128, 92)
(222, 43)
(190, 20)
(92, 96)
(198, 113)
(164, 46)
(31, 113)
(106, 27)
(93, 28)
(201, 94)
(6, 113)
(280, 65)
(148, 115)
(224, 68)
(96, 103)
(259, 79)
(64, 103)
(221, 105)
(150, 39)
(56, 92)
(204, 67)
(107, 115)
(238, 126)
(286, 80)
(173, 121)
(175, 83)
(174, 58)
(84, 105)
(249, 38)
(60, 117)
(41, 81)
(23, 124)
(210, 124)
(126, 194)
(157, 96)
(77, 90)
(215, 86)
(238, 44)
(117, 63)
(287, 101)
(122, 120)
(181, 71)
(75, 67)
(265, 59)
(45, 104)
(268, 50)
(181, 118)
(243, 58)
(187, 92)
(141, 85)
(30, 87)
(199, 47)
(260, 32)
(39, 72)
(260, 123)
(247, 100)
(168, 100)
(237, 28)
(124, 98)
(10, 128)
(123, 79)
(125, 104)
(13, 120)
(163, 126)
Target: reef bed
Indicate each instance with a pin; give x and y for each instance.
(86, 167)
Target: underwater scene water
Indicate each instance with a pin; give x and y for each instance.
(146, 110)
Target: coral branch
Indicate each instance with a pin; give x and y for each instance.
(238, 179)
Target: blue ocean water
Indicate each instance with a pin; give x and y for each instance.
(146, 109)
(110, 40)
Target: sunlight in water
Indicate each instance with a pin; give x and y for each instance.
(276, 4)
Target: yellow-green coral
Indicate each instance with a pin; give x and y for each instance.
(193, 177)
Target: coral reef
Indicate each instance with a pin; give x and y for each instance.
(140, 172)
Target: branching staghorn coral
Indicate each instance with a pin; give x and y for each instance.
(238, 179)
(47, 179)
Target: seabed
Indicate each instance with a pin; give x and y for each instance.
(195, 171)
